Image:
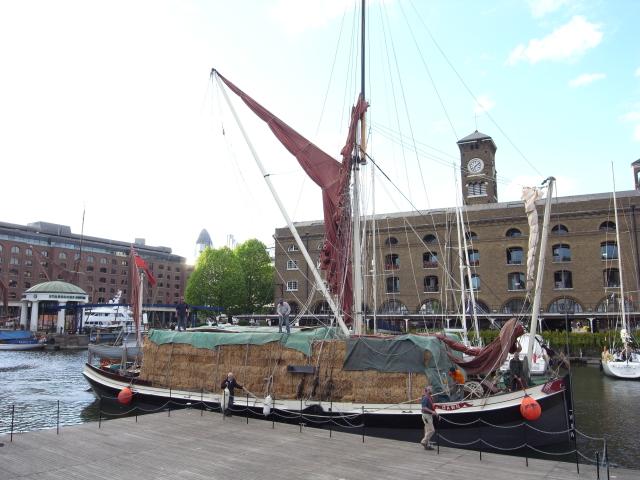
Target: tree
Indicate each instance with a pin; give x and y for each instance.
(257, 273)
(217, 280)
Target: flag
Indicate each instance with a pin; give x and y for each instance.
(140, 263)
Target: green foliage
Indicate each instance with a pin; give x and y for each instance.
(239, 281)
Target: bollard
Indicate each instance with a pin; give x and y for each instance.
(224, 399)
(13, 411)
(597, 466)
(606, 458)
(300, 415)
(331, 419)
(100, 412)
(202, 407)
(247, 409)
(58, 420)
(363, 425)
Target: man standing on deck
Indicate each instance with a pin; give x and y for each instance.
(182, 311)
(516, 369)
(283, 310)
(428, 412)
(230, 384)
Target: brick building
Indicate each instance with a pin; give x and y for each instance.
(417, 254)
(43, 251)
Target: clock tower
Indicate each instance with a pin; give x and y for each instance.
(478, 169)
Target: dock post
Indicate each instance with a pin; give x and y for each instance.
(363, 425)
(201, 401)
(224, 399)
(597, 465)
(606, 457)
(438, 442)
(100, 412)
(58, 420)
(13, 411)
(247, 409)
(300, 414)
(526, 444)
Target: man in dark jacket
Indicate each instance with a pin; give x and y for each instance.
(230, 384)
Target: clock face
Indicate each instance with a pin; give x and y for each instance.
(475, 165)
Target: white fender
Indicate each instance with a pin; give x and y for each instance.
(267, 404)
(225, 399)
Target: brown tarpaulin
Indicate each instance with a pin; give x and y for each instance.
(333, 178)
(493, 355)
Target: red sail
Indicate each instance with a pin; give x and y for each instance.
(333, 178)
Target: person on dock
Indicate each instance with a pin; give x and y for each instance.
(283, 311)
(231, 384)
(182, 311)
(428, 412)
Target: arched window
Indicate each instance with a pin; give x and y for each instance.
(295, 308)
(470, 236)
(474, 257)
(90, 259)
(559, 229)
(431, 283)
(62, 256)
(321, 308)
(430, 307)
(392, 261)
(565, 305)
(611, 303)
(394, 306)
(15, 249)
(429, 238)
(562, 279)
(516, 306)
(429, 260)
(516, 281)
(481, 307)
(608, 250)
(611, 277)
(515, 256)
(513, 232)
(28, 252)
(103, 261)
(475, 281)
(608, 226)
(391, 241)
(393, 284)
(561, 253)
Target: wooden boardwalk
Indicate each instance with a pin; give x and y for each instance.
(188, 446)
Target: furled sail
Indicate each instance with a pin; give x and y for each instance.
(529, 196)
(333, 178)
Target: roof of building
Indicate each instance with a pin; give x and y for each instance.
(475, 136)
(637, 162)
(56, 286)
(204, 238)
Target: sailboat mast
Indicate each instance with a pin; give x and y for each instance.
(463, 306)
(356, 246)
(539, 273)
(615, 212)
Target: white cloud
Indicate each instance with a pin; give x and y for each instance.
(565, 186)
(540, 8)
(631, 117)
(638, 72)
(636, 133)
(567, 42)
(483, 104)
(297, 16)
(586, 79)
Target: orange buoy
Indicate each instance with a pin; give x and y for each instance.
(530, 408)
(125, 395)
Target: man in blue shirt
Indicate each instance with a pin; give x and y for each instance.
(428, 412)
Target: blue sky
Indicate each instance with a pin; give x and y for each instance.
(108, 106)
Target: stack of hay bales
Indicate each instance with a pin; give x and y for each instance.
(262, 370)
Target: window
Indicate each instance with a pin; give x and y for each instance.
(608, 227)
(44, 254)
(89, 268)
(90, 259)
(475, 281)
(429, 260)
(515, 256)
(13, 284)
(565, 305)
(62, 256)
(476, 189)
(321, 308)
(470, 236)
(559, 230)
(124, 263)
(13, 272)
(394, 306)
(561, 253)
(393, 284)
(608, 250)
(292, 265)
(474, 257)
(14, 261)
(516, 281)
(392, 261)
(103, 270)
(27, 285)
(292, 286)
(319, 246)
(15, 249)
(28, 252)
(612, 304)
(430, 307)
(102, 280)
(26, 274)
(28, 263)
(431, 284)
(391, 241)
(611, 277)
(103, 261)
(562, 279)
(516, 306)
(429, 239)
(114, 271)
(513, 233)
(292, 248)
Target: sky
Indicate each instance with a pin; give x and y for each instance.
(108, 108)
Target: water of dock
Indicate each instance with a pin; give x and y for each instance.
(190, 444)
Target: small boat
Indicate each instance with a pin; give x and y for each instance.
(113, 315)
(19, 340)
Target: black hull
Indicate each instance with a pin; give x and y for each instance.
(499, 430)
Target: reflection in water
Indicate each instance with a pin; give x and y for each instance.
(35, 381)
